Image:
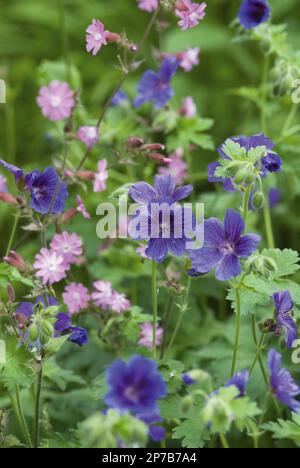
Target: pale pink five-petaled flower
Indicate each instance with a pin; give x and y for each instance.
(189, 108)
(76, 297)
(50, 266)
(177, 168)
(190, 13)
(56, 100)
(146, 336)
(88, 135)
(119, 303)
(96, 37)
(68, 246)
(81, 208)
(103, 294)
(148, 5)
(190, 58)
(101, 176)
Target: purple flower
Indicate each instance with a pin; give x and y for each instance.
(167, 228)
(272, 162)
(16, 171)
(47, 192)
(284, 306)
(164, 191)
(223, 247)
(282, 383)
(188, 380)
(274, 197)
(240, 380)
(134, 386)
(47, 301)
(118, 98)
(254, 12)
(78, 336)
(63, 326)
(156, 87)
(23, 312)
(157, 433)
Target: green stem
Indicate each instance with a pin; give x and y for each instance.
(238, 330)
(264, 95)
(268, 224)
(13, 232)
(246, 205)
(166, 321)
(181, 315)
(20, 416)
(258, 356)
(38, 407)
(224, 442)
(154, 304)
(289, 120)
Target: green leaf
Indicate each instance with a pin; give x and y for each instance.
(192, 433)
(59, 376)
(286, 429)
(18, 368)
(287, 261)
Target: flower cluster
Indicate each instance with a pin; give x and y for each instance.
(107, 298)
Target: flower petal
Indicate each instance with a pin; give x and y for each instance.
(182, 192)
(247, 245)
(234, 226)
(228, 268)
(214, 234)
(157, 249)
(142, 193)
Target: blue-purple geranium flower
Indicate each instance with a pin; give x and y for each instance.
(223, 247)
(118, 98)
(156, 87)
(135, 386)
(48, 193)
(164, 191)
(284, 307)
(63, 326)
(254, 12)
(167, 228)
(271, 162)
(282, 382)
(240, 381)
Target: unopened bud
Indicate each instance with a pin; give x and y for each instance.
(69, 214)
(244, 176)
(258, 200)
(14, 259)
(47, 328)
(159, 158)
(268, 326)
(113, 37)
(176, 289)
(8, 198)
(187, 403)
(86, 175)
(134, 142)
(11, 293)
(33, 332)
(154, 147)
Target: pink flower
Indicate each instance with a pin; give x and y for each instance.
(189, 108)
(56, 100)
(189, 13)
(68, 246)
(50, 266)
(101, 176)
(177, 168)
(76, 297)
(141, 250)
(148, 5)
(3, 187)
(88, 135)
(96, 37)
(119, 303)
(146, 336)
(190, 58)
(81, 208)
(102, 297)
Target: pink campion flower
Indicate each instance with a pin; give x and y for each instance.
(190, 13)
(56, 100)
(81, 208)
(3, 187)
(189, 58)
(88, 135)
(103, 294)
(141, 250)
(119, 303)
(146, 336)
(96, 37)
(177, 168)
(50, 266)
(189, 108)
(69, 246)
(76, 297)
(148, 5)
(101, 176)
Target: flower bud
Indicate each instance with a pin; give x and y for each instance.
(176, 289)
(268, 326)
(217, 412)
(187, 403)
(233, 167)
(69, 214)
(159, 158)
(11, 293)
(244, 176)
(47, 328)
(134, 142)
(14, 259)
(258, 200)
(153, 147)
(8, 198)
(33, 332)
(86, 175)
